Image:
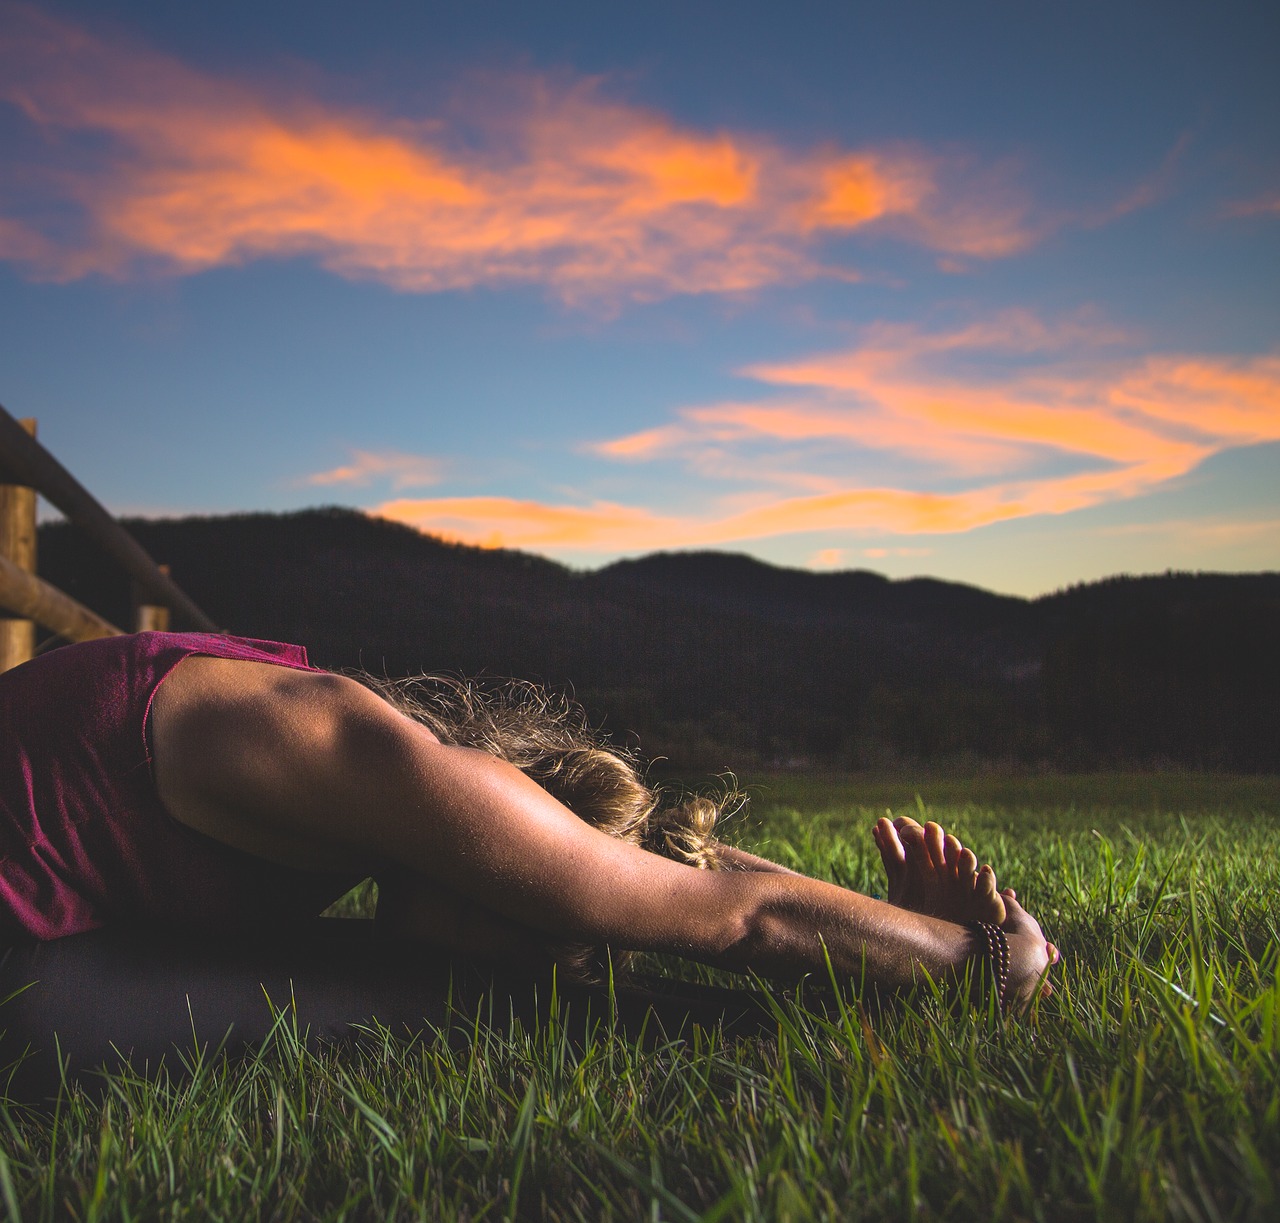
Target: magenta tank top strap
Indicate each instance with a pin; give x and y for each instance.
(247, 649)
(161, 652)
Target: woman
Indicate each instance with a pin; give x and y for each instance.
(185, 804)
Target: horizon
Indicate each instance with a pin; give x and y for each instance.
(975, 295)
(55, 518)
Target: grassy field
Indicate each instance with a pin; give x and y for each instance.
(1147, 1087)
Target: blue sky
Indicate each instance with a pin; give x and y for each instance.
(980, 291)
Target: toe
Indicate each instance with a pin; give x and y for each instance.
(951, 848)
(916, 847)
(989, 896)
(935, 843)
(909, 832)
(887, 841)
(906, 826)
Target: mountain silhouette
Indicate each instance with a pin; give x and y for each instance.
(716, 659)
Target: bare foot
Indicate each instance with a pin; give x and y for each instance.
(929, 871)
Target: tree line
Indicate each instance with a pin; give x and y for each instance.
(716, 660)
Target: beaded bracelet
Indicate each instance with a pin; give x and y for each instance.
(994, 945)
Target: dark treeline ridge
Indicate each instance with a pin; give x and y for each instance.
(717, 660)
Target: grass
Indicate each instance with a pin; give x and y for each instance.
(1148, 1087)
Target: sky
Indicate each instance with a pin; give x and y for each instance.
(982, 291)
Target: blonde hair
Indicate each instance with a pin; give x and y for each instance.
(549, 738)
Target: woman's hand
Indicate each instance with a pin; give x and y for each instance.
(1030, 956)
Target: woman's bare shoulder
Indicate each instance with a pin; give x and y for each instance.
(242, 748)
(203, 681)
(237, 698)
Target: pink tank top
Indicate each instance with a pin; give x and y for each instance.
(84, 838)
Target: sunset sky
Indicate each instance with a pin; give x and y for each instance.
(984, 291)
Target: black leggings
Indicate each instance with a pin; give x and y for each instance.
(122, 994)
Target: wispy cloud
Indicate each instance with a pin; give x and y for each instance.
(366, 466)
(881, 553)
(840, 558)
(1213, 530)
(150, 164)
(1265, 205)
(1001, 419)
(505, 522)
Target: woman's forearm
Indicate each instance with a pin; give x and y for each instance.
(734, 859)
(884, 942)
(793, 925)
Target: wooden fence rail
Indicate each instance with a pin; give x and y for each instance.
(24, 461)
(30, 596)
(26, 465)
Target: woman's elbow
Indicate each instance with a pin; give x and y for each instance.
(736, 931)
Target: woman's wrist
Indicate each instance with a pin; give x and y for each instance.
(991, 960)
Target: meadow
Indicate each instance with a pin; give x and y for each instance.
(1146, 1087)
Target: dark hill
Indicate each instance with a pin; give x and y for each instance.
(716, 659)
(731, 579)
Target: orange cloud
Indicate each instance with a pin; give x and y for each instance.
(856, 190)
(559, 187)
(504, 522)
(23, 244)
(1064, 427)
(403, 470)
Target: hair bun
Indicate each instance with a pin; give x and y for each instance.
(686, 832)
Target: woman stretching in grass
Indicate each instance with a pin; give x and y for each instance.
(179, 794)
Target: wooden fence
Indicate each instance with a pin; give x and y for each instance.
(27, 468)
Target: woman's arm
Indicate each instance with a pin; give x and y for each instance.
(282, 763)
(734, 859)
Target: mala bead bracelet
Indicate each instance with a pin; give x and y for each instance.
(993, 945)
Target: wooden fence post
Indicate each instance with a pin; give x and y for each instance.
(18, 544)
(149, 617)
